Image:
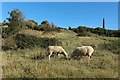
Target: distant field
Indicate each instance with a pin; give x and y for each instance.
(104, 63)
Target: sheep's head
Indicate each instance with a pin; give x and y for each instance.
(66, 55)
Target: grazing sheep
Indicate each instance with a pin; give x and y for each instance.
(82, 51)
(56, 50)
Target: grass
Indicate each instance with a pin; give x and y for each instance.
(0, 65)
(22, 64)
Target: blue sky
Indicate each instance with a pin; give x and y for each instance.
(66, 14)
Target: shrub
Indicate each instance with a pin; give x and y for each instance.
(113, 46)
(7, 32)
(46, 29)
(37, 28)
(86, 34)
(52, 29)
(25, 41)
(99, 31)
(9, 43)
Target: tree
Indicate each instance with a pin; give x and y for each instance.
(29, 23)
(45, 23)
(82, 29)
(32, 23)
(16, 16)
(15, 20)
(100, 31)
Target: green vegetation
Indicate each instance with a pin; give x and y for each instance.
(83, 30)
(25, 42)
(33, 62)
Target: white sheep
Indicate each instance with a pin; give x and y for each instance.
(82, 51)
(56, 50)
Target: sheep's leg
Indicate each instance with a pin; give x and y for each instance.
(89, 57)
(50, 55)
(88, 54)
(58, 55)
(88, 62)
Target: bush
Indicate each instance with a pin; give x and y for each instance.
(6, 32)
(25, 41)
(99, 31)
(37, 28)
(41, 28)
(52, 29)
(46, 29)
(9, 43)
(113, 46)
(86, 34)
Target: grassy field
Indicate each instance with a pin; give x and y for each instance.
(32, 63)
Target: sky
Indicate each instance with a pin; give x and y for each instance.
(65, 14)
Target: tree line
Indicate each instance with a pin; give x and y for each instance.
(16, 21)
(83, 30)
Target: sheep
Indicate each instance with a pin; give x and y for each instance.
(56, 50)
(82, 51)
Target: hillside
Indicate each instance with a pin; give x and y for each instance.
(30, 59)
